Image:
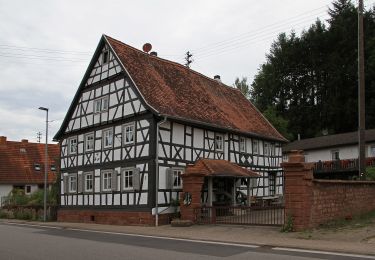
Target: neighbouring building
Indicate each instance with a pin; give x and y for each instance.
(332, 147)
(22, 165)
(136, 122)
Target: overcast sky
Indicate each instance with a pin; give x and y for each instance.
(46, 45)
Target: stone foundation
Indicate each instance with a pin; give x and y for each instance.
(111, 217)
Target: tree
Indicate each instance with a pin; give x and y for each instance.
(280, 123)
(243, 86)
(311, 79)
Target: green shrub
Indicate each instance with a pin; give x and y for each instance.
(370, 173)
(3, 214)
(288, 226)
(23, 214)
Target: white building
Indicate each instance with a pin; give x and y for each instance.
(332, 147)
(134, 124)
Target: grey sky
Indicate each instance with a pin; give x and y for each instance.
(229, 38)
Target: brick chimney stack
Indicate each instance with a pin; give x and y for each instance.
(3, 140)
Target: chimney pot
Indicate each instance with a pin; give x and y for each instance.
(217, 77)
(154, 53)
(3, 140)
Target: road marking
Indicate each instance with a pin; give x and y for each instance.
(322, 252)
(137, 235)
(31, 225)
(167, 238)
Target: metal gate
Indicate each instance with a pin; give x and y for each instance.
(272, 215)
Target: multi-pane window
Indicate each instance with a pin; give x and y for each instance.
(335, 155)
(88, 182)
(89, 142)
(129, 133)
(219, 143)
(72, 183)
(176, 178)
(272, 183)
(72, 143)
(255, 146)
(266, 148)
(372, 151)
(107, 138)
(128, 179)
(106, 180)
(242, 145)
(101, 104)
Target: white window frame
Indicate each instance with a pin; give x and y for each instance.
(99, 104)
(127, 178)
(176, 178)
(108, 130)
(72, 179)
(70, 151)
(255, 144)
(372, 151)
(242, 144)
(87, 142)
(129, 126)
(219, 142)
(86, 180)
(333, 154)
(26, 192)
(266, 148)
(105, 177)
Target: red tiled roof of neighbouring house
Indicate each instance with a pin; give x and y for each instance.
(179, 92)
(219, 168)
(18, 159)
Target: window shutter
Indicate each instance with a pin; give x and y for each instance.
(136, 179)
(66, 184)
(169, 178)
(80, 183)
(114, 181)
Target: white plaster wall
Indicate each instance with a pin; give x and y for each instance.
(5, 189)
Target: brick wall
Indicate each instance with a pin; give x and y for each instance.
(334, 199)
(311, 202)
(111, 217)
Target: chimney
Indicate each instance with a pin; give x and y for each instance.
(3, 140)
(217, 78)
(154, 53)
(24, 141)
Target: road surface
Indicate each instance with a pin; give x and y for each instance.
(28, 242)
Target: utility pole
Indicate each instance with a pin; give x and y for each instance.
(361, 93)
(39, 136)
(188, 59)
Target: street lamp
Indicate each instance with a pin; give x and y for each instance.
(45, 168)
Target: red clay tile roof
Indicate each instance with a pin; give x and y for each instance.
(17, 162)
(219, 168)
(174, 90)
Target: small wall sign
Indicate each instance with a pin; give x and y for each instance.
(187, 198)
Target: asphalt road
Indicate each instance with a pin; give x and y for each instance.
(35, 242)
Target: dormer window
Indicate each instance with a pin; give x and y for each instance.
(37, 166)
(105, 57)
(53, 168)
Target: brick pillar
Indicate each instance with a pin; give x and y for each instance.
(192, 183)
(298, 190)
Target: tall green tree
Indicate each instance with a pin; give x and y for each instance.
(242, 85)
(311, 79)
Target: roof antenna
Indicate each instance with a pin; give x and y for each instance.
(38, 136)
(188, 59)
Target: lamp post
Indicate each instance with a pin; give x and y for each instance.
(45, 168)
(361, 94)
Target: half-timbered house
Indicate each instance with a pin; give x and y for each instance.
(135, 123)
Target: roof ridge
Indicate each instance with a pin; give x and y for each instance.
(173, 63)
